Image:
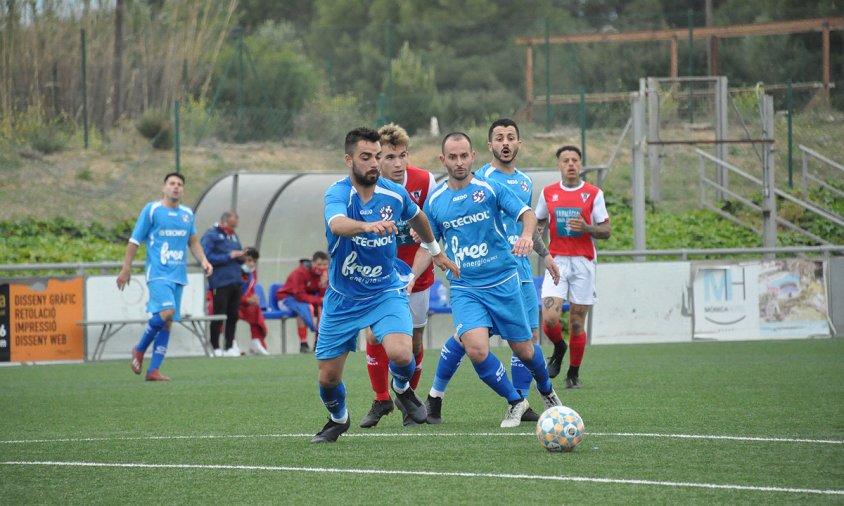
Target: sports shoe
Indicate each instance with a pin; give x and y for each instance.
(218, 352)
(154, 375)
(411, 405)
(556, 360)
(573, 382)
(434, 407)
(303, 348)
(378, 409)
(513, 417)
(256, 348)
(231, 352)
(530, 415)
(331, 431)
(551, 399)
(137, 360)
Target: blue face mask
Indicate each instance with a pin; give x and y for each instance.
(247, 269)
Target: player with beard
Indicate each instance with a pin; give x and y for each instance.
(366, 280)
(465, 211)
(418, 183)
(503, 141)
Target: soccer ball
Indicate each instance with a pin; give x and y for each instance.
(559, 429)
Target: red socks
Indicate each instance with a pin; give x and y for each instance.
(414, 380)
(555, 333)
(378, 366)
(303, 334)
(577, 345)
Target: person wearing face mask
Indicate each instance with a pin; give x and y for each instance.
(303, 292)
(250, 306)
(223, 250)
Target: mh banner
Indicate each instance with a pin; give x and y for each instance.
(38, 320)
(760, 300)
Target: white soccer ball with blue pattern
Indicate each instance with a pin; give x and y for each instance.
(559, 429)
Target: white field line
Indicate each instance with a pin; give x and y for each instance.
(425, 435)
(436, 474)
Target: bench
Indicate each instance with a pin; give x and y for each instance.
(269, 306)
(197, 325)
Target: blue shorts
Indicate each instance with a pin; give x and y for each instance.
(531, 303)
(303, 310)
(165, 295)
(342, 318)
(499, 308)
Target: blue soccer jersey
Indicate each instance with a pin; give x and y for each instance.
(522, 187)
(366, 264)
(469, 222)
(166, 232)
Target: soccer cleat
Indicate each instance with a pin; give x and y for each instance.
(556, 360)
(155, 375)
(137, 360)
(434, 407)
(331, 431)
(572, 382)
(303, 348)
(256, 348)
(513, 417)
(411, 405)
(550, 399)
(231, 352)
(530, 415)
(378, 410)
(218, 352)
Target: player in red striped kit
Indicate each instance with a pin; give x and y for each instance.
(576, 213)
(418, 182)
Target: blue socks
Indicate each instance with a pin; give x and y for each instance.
(401, 374)
(334, 399)
(450, 357)
(159, 350)
(522, 377)
(154, 326)
(492, 372)
(539, 371)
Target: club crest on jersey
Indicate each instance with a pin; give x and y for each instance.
(585, 196)
(416, 195)
(524, 186)
(555, 197)
(386, 213)
(478, 196)
(185, 218)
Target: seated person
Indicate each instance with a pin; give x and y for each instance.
(302, 293)
(250, 306)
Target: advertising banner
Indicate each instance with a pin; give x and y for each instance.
(759, 300)
(38, 320)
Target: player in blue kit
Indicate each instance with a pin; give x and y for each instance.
(465, 212)
(366, 280)
(503, 141)
(169, 231)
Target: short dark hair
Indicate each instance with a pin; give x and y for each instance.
(570, 148)
(252, 253)
(360, 134)
(320, 255)
(177, 174)
(454, 135)
(505, 122)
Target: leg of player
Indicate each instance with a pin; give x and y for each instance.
(522, 378)
(332, 391)
(154, 326)
(450, 357)
(378, 367)
(531, 355)
(552, 308)
(399, 349)
(418, 356)
(159, 349)
(578, 344)
(492, 372)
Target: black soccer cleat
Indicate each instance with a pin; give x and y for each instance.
(331, 431)
(572, 382)
(411, 405)
(434, 407)
(530, 415)
(556, 360)
(378, 410)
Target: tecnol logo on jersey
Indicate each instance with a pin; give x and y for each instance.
(372, 243)
(466, 220)
(172, 233)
